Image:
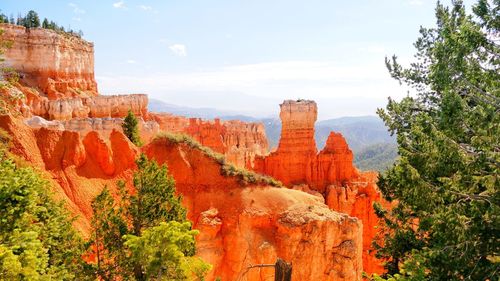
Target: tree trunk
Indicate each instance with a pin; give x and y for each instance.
(282, 271)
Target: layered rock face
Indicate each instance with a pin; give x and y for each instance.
(240, 225)
(78, 167)
(292, 161)
(92, 107)
(59, 64)
(330, 172)
(239, 141)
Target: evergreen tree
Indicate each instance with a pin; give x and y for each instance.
(130, 236)
(446, 222)
(109, 226)
(31, 20)
(37, 240)
(131, 129)
(4, 18)
(45, 23)
(20, 19)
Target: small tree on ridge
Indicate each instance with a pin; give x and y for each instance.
(131, 129)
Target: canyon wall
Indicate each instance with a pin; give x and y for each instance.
(92, 107)
(240, 224)
(239, 141)
(329, 173)
(57, 84)
(60, 65)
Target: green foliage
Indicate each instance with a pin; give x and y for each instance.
(446, 223)
(155, 200)
(376, 157)
(227, 169)
(4, 44)
(37, 240)
(4, 18)
(192, 143)
(11, 75)
(163, 252)
(31, 20)
(109, 226)
(131, 129)
(146, 232)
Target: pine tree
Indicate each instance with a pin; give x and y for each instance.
(131, 129)
(31, 20)
(45, 23)
(109, 226)
(130, 237)
(446, 221)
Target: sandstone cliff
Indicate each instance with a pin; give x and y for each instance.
(239, 141)
(330, 172)
(249, 225)
(240, 224)
(92, 107)
(59, 64)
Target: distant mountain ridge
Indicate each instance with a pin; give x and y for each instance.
(374, 148)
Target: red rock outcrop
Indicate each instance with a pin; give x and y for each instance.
(356, 198)
(59, 64)
(239, 141)
(240, 224)
(330, 172)
(296, 160)
(76, 168)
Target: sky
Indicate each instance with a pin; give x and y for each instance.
(246, 56)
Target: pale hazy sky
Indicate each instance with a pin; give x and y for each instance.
(246, 56)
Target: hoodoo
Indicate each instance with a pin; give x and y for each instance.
(330, 172)
(296, 160)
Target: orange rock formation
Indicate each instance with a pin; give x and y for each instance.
(80, 147)
(252, 224)
(296, 160)
(61, 65)
(240, 224)
(330, 172)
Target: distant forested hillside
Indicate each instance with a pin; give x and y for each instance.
(376, 157)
